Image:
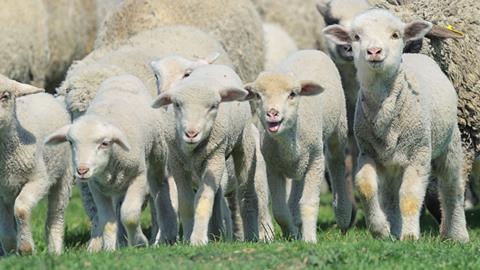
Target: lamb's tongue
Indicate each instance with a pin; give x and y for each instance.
(273, 127)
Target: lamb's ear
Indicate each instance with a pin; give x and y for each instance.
(310, 88)
(119, 138)
(232, 94)
(337, 34)
(155, 67)
(444, 32)
(322, 6)
(416, 30)
(22, 89)
(252, 93)
(58, 136)
(163, 99)
(211, 58)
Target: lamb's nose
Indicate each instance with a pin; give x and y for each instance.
(191, 134)
(82, 170)
(374, 51)
(272, 113)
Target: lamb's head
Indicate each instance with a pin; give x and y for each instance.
(278, 96)
(92, 141)
(173, 68)
(378, 38)
(341, 12)
(196, 101)
(9, 89)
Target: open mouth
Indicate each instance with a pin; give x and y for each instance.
(274, 126)
(82, 179)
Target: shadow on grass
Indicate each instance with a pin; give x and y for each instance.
(79, 238)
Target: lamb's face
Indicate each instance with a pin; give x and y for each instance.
(196, 103)
(341, 12)
(92, 143)
(378, 39)
(278, 95)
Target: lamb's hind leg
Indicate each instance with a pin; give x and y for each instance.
(451, 185)
(8, 236)
(58, 199)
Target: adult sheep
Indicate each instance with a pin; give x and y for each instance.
(235, 23)
(299, 19)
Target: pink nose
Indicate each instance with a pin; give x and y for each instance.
(272, 113)
(374, 51)
(191, 134)
(82, 170)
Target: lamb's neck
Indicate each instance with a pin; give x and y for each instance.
(13, 147)
(287, 139)
(376, 87)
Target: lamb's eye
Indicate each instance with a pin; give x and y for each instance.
(187, 73)
(5, 96)
(156, 77)
(213, 107)
(395, 35)
(356, 37)
(292, 95)
(176, 104)
(104, 144)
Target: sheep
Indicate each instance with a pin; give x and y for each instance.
(118, 146)
(24, 52)
(458, 59)
(278, 44)
(298, 18)
(301, 106)
(211, 126)
(134, 57)
(405, 127)
(234, 23)
(29, 170)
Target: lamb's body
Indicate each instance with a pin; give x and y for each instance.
(230, 135)
(243, 23)
(30, 170)
(298, 152)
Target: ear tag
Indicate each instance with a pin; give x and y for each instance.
(452, 29)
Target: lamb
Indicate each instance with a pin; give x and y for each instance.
(234, 23)
(302, 109)
(134, 56)
(298, 18)
(29, 170)
(118, 146)
(405, 126)
(278, 44)
(210, 127)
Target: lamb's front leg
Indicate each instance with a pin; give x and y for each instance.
(204, 198)
(106, 218)
(366, 182)
(131, 211)
(8, 236)
(412, 192)
(309, 202)
(28, 198)
(186, 197)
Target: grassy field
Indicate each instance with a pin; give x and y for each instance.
(356, 250)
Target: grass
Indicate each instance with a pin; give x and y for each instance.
(356, 250)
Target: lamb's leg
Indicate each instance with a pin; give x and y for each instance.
(390, 201)
(106, 217)
(342, 203)
(204, 198)
(216, 226)
(234, 206)
(309, 202)
(366, 182)
(451, 186)
(294, 190)
(58, 199)
(95, 242)
(28, 198)
(8, 234)
(185, 200)
(265, 230)
(412, 193)
(281, 210)
(165, 197)
(131, 210)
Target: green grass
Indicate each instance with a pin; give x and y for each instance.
(356, 250)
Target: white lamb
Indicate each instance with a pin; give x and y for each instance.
(405, 126)
(278, 44)
(118, 146)
(302, 108)
(210, 127)
(29, 170)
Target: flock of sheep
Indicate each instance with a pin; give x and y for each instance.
(214, 111)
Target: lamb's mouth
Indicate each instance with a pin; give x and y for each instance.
(274, 126)
(376, 63)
